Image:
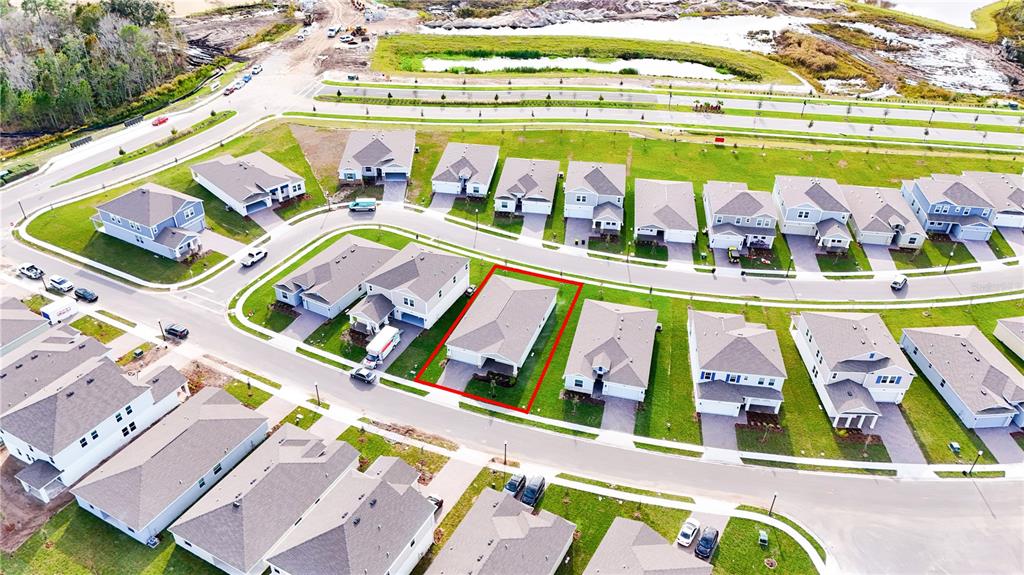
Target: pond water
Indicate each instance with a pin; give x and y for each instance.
(644, 66)
(956, 12)
(725, 31)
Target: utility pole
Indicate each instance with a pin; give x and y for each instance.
(505, 458)
(772, 507)
(316, 388)
(162, 334)
(971, 470)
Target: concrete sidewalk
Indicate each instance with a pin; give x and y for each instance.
(450, 483)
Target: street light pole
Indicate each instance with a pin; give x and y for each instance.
(772, 506)
(971, 470)
(161, 326)
(949, 259)
(505, 458)
(316, 388)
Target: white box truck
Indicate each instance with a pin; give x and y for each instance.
(381, 346)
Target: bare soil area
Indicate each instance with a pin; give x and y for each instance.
(21, 513)
(323, 148)
(200, 376)
(216, 34)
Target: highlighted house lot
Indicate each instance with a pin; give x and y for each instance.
(501, 337)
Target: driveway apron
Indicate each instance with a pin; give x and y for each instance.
(619, 415)
(533, 226)
(980, 250)
(719, 431)
(679, 252)
(896, 435)
(1003, 447)
(879, 257)
(577, 232)
(442, 202)
(804, 253)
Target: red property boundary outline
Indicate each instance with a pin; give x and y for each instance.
(551, 354)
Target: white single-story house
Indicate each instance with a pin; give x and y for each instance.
(1010, 331)
(248, 183)
(465, 170)
(526, 187)
(664, 211)
(377, 156)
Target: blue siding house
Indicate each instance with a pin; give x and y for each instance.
(951, 205)
(154, 218)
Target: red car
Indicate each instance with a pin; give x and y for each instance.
(160, 120)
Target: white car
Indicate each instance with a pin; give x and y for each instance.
(332, 31)
(253, 257)
(899, 282)
(257, 69)
(688, 533)
(60, 283)
(239, 84)
(30, 271)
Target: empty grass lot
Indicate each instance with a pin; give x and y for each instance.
(371, 446)
(95, 328)
(249, 396)
(76, 542)
(70, 227)
(36, 302)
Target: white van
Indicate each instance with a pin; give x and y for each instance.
(381, 346)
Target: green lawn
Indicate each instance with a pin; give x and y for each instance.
(116, 317)
(95, 328)
(371, 446)
(934, 253)
(70, 227)
(669, 450)
(75, 542)
(329, 337)
(36, 302)
(738, 552)
(307, 419)
(779, 259)
(130, 356)
(1000, 247)
(854, 260)
(814, 542)
(626, 489)
(249, 396)
(416, 355)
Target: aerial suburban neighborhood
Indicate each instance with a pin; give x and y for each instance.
(545, 287)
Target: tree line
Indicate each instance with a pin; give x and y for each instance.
(63, 66)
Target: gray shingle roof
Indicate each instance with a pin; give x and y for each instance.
(501, 536)
(618, 338)
(419, 270)
(834, 228)
(974, 368)
(957, 190)
(603, 179)
(16, 320)
(471, 162)
(851, 397)
(250, 510)
(842, 337)
(38, 474)
(608, 212)
(720, 390)
(880, 209)
(1015, 325)
(173, 237)
(373, 307)
(378, 148)
(361, 525)
(664, 205)
(503, 317)
(726, 342)
(528, 179)
(632, 548)
(149, 204)
(734, 199)
(339, 269)
(825, 193)
(138, 483)
(1004, 191)
(247, 177)
(63, 350)
(727, 228)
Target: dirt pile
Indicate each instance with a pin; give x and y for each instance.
(557, 11)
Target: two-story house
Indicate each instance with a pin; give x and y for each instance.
(735, 365)
(664, 211)
(465, 170)
(813, 207)
(977, 381)
(65, 407)
(879, 216)
(154, 218)
(951, 205)
(1006, 194)
(737, 217)
(249, 183)
(151, 482)
(416, 286)
(612, 350)
(240, 522)
(854, 363)
(526, 187)
(18, 325)
(596, 192)
(375, 157)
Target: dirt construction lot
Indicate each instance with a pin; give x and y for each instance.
(22, 514)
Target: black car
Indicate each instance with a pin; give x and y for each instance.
(515, 484)
(707, 543)
(86, 295)
(176, 330)
(534, 490)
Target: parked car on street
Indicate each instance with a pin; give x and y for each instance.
(534, 490)
(160, 120)
(706, 546)
(899, 282)
(364, 374)
(238, 84)
(363, 205)
(253, 257)
(30, 271)
(515, 484)
(688, 532)
(229, 90)
(257, 69)
(59, 283)
(176, 330)
(86, 295)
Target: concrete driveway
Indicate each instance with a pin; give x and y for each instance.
(274, 409)
(456, 375)
(577, 232)
(879, 258)
(804, 251)
(267, 219)
(442, 202)
(679, 252)
(213, 241)
(619, 415)
(394, 190)
(896, 435)
(409, 334)
(328, 428)
(533, 226)
(1015, 238)
(304, 325)
(980, 250)
(719, 431)
(450, 483)
(1003, 447)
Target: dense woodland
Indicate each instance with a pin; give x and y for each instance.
(64, 65)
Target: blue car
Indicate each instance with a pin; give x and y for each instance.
(247, 77)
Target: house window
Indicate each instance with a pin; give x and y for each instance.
(83, 442)
(760, 222)
(116, 219)
(581, 199)
(187, 544)
(760, 381)
(128, 410)
(189, 212)
(408, 302)
(118, 416)
(216, 469)
(984, 213)
(453, 280)
(577, 382)
(803, 215)
(911, 240)
(945, 209)
(438, 293)
(131, 426)
(202, 482)
(871, 355)
(732, 378)
(718, 220)
(94, 434)
(967, 211)
(124, 431)
(738, 220)
(707, 375)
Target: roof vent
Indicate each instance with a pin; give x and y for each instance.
(90, 380)
(355, 521)
(69, 394)
(373, 502)
(34, 355)
(236, 504)
(984, 391)
(81, 346)
(849, 393)
(18, 366)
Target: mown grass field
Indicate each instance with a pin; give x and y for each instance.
(96, 328)
(371, 446)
